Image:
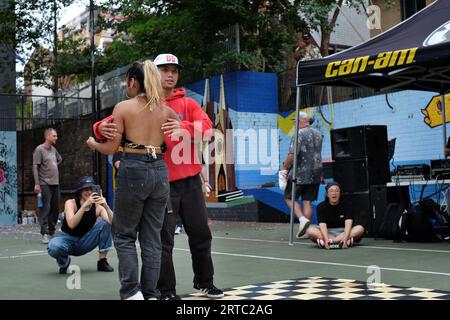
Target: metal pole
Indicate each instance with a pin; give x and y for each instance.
(22, 156)
(93, 100)
(238, 40)
(444, 121)
(98, 158)
(294, 169)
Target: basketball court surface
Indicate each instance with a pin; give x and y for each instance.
(252, 261)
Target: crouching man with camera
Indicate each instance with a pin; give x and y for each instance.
(86, 225)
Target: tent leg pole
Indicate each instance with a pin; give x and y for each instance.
(294, 168)
(444, 122)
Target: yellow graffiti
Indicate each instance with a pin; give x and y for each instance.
(383, 60)
(287, 124)
(433, 111)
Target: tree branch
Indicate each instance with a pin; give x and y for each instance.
(336, 14)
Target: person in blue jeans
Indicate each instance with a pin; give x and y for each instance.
(142, 182)
(86, 225)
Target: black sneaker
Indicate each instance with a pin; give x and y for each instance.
(170, 296)
(64, 270)
(211, 292)
(103, 265)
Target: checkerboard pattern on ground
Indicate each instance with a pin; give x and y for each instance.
(318, 288)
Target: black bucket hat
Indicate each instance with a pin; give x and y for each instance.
(85, 182)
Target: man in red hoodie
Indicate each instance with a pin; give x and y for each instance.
(185, 183)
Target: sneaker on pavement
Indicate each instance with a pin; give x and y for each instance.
(178, 230)
(103, 265)
(170, 296)
(350, 242)
(45, 238)
(64, 270)
(137, 296)
(320, 243)
(211, 292)
(303, 226)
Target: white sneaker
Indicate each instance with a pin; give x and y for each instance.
(303, 226)
(137, 296)
(45, 238)
(178, 230)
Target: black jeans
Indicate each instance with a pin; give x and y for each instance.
(48, 214)
(188, 202)
(141, 198)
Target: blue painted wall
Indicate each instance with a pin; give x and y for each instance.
(252, 101)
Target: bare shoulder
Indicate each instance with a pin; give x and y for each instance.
(121, 110)
(121, 106)
(70, 204)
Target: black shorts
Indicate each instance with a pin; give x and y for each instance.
(309, 192)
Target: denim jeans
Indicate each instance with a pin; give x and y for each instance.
(140, 201)
(63, 245)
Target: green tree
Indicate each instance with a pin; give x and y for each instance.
(194, 30)
(36, 28)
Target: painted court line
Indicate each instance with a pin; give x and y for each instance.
(322, 262)
(311, 244)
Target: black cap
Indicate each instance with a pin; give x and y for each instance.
(334, 183)
(307, 36)
(85, 182)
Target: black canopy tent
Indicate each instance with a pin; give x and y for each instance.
(413, 55)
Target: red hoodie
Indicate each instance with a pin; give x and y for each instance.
(188, 112)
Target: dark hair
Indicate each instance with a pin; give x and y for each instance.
(334, 183)
(307, 36)
(136, 72)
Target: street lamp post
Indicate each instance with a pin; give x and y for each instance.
(95, 157)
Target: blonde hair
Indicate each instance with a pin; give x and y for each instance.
(152, 85)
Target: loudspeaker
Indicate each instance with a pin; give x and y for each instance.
(368, 208)
(359, 142)
(327, 170)
(399, 194)
(357, 175)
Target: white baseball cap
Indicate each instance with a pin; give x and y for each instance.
(166, 58)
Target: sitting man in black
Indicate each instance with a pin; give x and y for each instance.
(335, 218)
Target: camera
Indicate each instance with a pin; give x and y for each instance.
(97, 189)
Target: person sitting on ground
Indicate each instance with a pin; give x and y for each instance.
(86, 225)
(335, 218)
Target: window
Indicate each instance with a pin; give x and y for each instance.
(410, 7)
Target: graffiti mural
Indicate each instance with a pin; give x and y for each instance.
(433, 111)
(8, 178)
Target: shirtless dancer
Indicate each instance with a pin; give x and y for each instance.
(142, 182)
